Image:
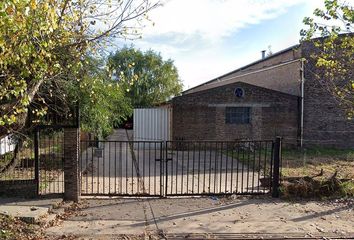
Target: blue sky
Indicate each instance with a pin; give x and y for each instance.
(208, 38)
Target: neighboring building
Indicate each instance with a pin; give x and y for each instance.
(6, 145)
(275, 96)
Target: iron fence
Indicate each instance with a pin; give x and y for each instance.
(122, 168)
(176, 168)
(17, 161)
(49, 150)
(218, 167)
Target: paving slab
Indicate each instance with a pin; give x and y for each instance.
(38, 202)
(28, 210)
(25, 213)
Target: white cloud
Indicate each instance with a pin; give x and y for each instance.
(197, 34)
(212, 19)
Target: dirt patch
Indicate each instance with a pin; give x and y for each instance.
(13, 228)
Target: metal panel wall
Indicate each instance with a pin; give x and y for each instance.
(152, 124)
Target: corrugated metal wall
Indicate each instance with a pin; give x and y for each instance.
(152, 124)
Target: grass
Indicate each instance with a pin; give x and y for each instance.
(309, 162)
(347, 189)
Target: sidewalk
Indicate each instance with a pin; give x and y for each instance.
(209, 217)
(28, 210)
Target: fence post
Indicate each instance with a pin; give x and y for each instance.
(161, 169)
(36, 159)
(71, 165)
(276, 168)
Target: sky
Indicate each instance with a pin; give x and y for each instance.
(208, 38)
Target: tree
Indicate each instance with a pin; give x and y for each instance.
(146, 78)
(102, 101)
(334, 50)
(43, 44)
(269, 52)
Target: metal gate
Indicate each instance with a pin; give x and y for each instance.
(49, 155)
(176, 168)
(124, 168)
(218, 167)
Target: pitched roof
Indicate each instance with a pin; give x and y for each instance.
(193, 89)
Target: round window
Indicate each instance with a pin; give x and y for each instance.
(239, 92)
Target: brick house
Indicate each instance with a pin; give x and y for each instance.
(275, 96)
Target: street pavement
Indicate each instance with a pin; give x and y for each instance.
(213, 217)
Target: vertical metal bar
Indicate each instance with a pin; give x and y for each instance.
(232, 167)
(143, 179)
(121, 171)
(216, 165)
(98, 171)
(265, 161)
(55, 150)
(109, 167)
(104, 166)
(237, 166)
(182, 174)
(259, 165)
(137, 168)
(171, 173)
(51, 160)
(36, 160)
(93, 158)
(248, 165)
(198, 166)
(243, 167)
(220, 171)
(276, 174)
(155, 169)
(81, 166)
(210, 149)
(227, 162)
(50, 156)
(166, 169)
(87, 166)
(177, 150)
(271, 166)
(115, 167)
(254, 164)
(188, 167)
(149, 167)
(161, 169)
(204, 167)
(193, 167)
(46, 163)
(132, 163)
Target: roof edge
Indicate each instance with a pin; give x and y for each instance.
(246, 66)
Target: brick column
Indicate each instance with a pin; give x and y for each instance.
(71, 164)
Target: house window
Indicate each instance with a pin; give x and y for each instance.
(237, 115)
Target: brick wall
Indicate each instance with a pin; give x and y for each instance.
(283, 78)
(201, 115)
(325, 122)
(71, 164)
